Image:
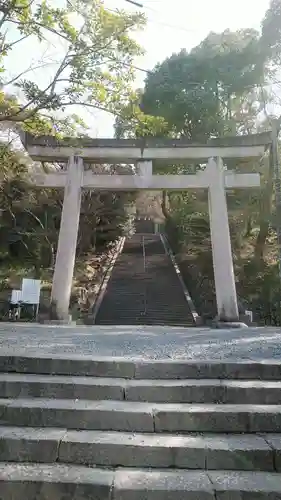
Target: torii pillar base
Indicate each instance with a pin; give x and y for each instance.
(220, 325)
(59, 322)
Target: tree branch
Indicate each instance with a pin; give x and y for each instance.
(3, 20)
(263, 101)
(63, 64)
(39, 25)
(12, 44)
(32, 112)
(34, 68)
(94, 106)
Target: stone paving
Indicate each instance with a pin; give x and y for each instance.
(190, 414)
(143, 342)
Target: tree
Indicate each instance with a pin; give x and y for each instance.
(217, 89)
(271, 32)
(214, 90)
(30, 218)
(200, 93)
(94, 70)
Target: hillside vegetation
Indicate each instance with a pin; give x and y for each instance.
(227, 85)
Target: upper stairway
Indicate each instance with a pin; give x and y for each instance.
(144, 287)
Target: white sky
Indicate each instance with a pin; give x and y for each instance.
(172, 25)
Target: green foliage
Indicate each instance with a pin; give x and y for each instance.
(30, 218)
(133, 122)
(260, 283)
(198, 93)
(215, 90)
(271, 32)
(94, 71)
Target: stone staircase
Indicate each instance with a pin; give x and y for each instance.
(144, 288)
(116, 429)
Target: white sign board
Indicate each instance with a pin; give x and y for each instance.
(250, 314)
(30, 291)
(16, 297)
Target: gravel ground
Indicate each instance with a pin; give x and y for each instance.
(142, 342)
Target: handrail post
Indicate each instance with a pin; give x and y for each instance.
(143, 254)
(144, 270)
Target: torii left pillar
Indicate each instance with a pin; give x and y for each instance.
(66, 251)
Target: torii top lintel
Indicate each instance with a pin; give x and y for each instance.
(46, 148)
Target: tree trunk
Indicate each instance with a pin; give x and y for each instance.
(164, 205)
(265, 212)
(261, 240)
(249, 227)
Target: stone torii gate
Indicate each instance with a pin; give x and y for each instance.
(215, 178)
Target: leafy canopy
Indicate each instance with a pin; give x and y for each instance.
(94, 69)
(197, 92)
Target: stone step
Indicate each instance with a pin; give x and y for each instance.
(59, 482)
(128, 308)
(139, 416)
(74, 364)
(54, 482)
(142, 320)
(121, 316)
(150, 310)
(136, 300)
(112, 449)
(13, 385)
(139, 318)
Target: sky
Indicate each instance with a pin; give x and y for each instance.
(172, 25)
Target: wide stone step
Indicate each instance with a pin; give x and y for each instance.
(119, 295)
(141, 319)
(60, 482)
(125, 307)
(126, 302)
(140, 417)
(54, 482)
(74, 364)
(13, 385)
(112, 449)
(151, 310)
(116, 321)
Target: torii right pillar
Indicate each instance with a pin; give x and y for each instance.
(226, 297)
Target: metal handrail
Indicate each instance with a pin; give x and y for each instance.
(144, 270)
(143, 254)
(168, 251)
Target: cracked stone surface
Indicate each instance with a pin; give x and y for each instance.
(143, 342)
(113, 449)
